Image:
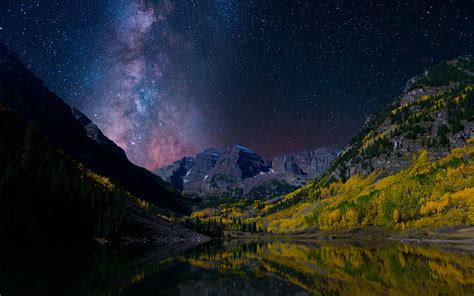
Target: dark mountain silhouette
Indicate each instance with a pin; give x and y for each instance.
(62, 180)
(25, 94)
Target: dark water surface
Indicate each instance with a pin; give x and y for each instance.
(242, 268)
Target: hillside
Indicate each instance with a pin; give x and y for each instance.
(426, 194)
(435, 112)
(46, 196)
(62, 180)
(25, 94)
(412, 165)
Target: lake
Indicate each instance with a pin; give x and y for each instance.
(242, 268)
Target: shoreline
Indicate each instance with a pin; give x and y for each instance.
(459, 235)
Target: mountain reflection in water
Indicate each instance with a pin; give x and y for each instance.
(244, 268)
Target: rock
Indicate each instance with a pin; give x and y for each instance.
(390, 140)
(305, 164)
(94, 133)
(238, 170)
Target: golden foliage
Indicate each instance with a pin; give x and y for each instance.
(428, 193)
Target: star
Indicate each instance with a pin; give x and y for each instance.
(165, 79)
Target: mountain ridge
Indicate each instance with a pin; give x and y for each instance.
(237, 170)
(410, 166)
(25, 94)
(62, 180)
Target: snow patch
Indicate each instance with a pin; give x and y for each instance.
(244, 149)
(187, 174)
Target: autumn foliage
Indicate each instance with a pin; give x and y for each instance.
(426, 194)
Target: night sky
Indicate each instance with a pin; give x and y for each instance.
(164, 79)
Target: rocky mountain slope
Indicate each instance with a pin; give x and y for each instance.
(94, 133)
(308, 164)
(73, 132)
(239, 171)
(62, 180)
(432, 113)
(411, 165)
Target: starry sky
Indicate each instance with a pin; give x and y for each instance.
(169, 78)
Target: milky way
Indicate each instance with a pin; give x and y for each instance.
(167, 78)
(153, 120)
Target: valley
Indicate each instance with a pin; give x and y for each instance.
(410, 167)
(183, 147)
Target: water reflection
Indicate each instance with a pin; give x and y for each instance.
(282, 268)
(263, 268)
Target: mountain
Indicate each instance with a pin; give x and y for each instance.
(215, 171)
(61, 178)
(432, 113)
(238, 171)
(94, 133)
(73, 132)
(410, 166)
(306, 164)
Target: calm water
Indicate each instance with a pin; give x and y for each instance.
(236, 268)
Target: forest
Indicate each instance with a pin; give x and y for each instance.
(46, 196)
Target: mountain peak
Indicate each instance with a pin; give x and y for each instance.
(237, 170)
(242, 148)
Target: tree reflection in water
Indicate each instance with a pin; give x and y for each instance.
(245, 268)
